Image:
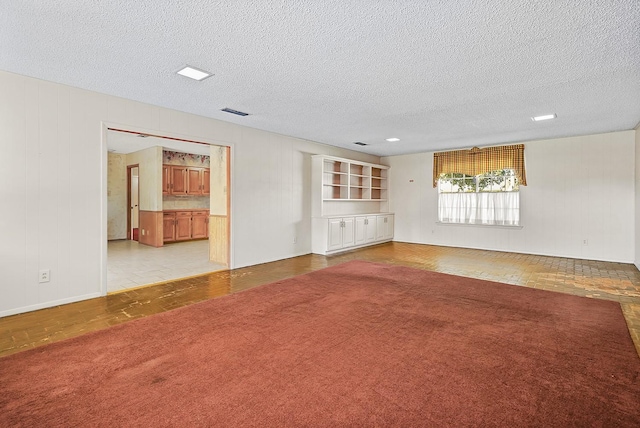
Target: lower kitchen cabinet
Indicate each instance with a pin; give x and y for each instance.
(199, 224)
(168, 226)
(184, 225)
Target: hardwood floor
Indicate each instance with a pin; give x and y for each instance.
(603, 280)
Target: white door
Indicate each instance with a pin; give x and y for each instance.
(135, 208)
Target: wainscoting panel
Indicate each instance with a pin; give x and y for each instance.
(151, 228)
(219, 239)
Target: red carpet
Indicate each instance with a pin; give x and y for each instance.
(358, 344)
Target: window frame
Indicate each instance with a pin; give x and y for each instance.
(473, 185)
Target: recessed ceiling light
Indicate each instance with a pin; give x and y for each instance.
(543, 117)
(392, 139)
(194, 73)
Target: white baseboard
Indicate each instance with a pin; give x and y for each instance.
(50, 304)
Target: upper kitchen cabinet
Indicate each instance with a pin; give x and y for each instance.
(198, 181)
(185, 174)
(185, 180)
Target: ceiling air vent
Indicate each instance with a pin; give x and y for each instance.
(232, 111)
(360, 143)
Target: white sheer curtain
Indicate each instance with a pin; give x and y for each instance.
(491, 208)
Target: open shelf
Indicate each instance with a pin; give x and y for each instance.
(349, 180)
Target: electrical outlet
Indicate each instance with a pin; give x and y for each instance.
(44, 275)
(295, 239)
(585, 242)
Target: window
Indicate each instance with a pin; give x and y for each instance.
(491, 198)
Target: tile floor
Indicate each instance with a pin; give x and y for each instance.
(619, 282)
(130, 264)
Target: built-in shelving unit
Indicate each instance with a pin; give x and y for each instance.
(350, 204)
(345, 180)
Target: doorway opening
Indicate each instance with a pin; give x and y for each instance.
(133, 196)
(168, 209)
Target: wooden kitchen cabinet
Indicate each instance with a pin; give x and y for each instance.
(166, 179)
(179, 177)
(199, 223)
(168, 227)
(185, 180)
(206, 181)
(184, 225)
(194, 181)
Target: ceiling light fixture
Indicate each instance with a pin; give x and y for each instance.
(543, 117)
(194, 73)
(392, 139)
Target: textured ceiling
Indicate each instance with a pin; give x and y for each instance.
(436, 74)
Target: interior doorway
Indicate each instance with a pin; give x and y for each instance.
(141, 255)
(133, 199)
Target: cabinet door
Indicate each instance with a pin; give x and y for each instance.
(183, 225)
(179, 180)
(335, 234)
(370, 233)
(199, 221)
(166, 180)
(194, 181)
(168, 227)
(389, 231)
(381, 227)
(384, 227)
(206, 181)
(361, 230)
(348, 232)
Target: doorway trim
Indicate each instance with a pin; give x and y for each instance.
(105, 127)
(129, 207)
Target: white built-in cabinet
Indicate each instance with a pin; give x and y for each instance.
(341, 233)
(350, 204)
(384, 227)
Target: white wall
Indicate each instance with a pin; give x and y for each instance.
(117, 196)
(578, 188)
(53, 136)
(149, 163)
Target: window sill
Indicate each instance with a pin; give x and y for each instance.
(495, 226)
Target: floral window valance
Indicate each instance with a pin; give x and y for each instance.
(480, 161)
